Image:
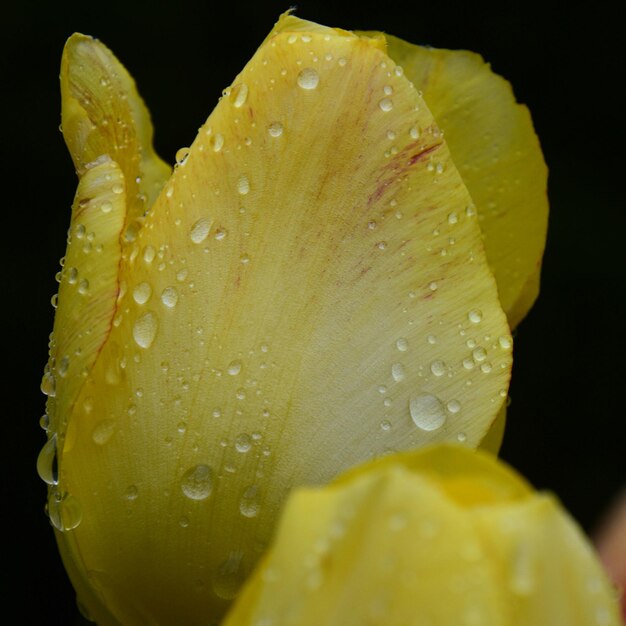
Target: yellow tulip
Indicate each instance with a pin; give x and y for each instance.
(439, 537)
(306, 291)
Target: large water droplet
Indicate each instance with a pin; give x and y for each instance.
(249, 504)
(145, 329)
(308, 78)
(200, 230)
(427, 412)
(197, 482)
(47, 462)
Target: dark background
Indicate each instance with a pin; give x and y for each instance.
(566, 422)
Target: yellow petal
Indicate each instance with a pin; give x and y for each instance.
(440, 537)
(87, 294)
(494, 146)
(308, 291)
(102, 114)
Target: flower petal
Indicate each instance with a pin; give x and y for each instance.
(102, 114)
(308, 291)
(88, 287)
(494, 146)
(441, 536)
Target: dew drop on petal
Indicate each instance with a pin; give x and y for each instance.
(200, 230)
(239, 95)
(275, 129)
(249, 503)
(397, 372)
(243, 185)
(426, 411)
(47, 462)
(197, 482)
(308, 78)
(438, 368)
(142, 293)
(234, 368)
(145, 329)
(169, 297)
(475, 316)
(386, 104)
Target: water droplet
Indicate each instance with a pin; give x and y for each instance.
(220, 234)
(414, 132)
(148, 254)
(427, 412)
(106, 207)
(142, 293)
(47, 462)
(402, 344)
(475, 316)
(432, 339)
(117, 188)
(243, 185)
(64, 511)
(454, 406)
(432, 286)
(63, 366)
(386, 104)
(243, 443)
(479, 354)
(197, 482)
(72, 275)
(44, 422)
(83, 287)
(239, 95)
(461, 437)
(388, 90)
(145, 329)
(453, 218)
(200, 230)
(234, 368)
(217, 142)
(385, 425)
(181, 156)
(438, 368)
(397, 372)
(132, 493)
(505, 343)
(275, 129)
(48, 384)
(228, 577)
(308, 78)
(169, 297)
(249, 504)
(103, 431)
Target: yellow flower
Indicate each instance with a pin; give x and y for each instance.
(306, 291)
(439, 537)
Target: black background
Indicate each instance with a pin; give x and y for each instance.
(566, 422)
